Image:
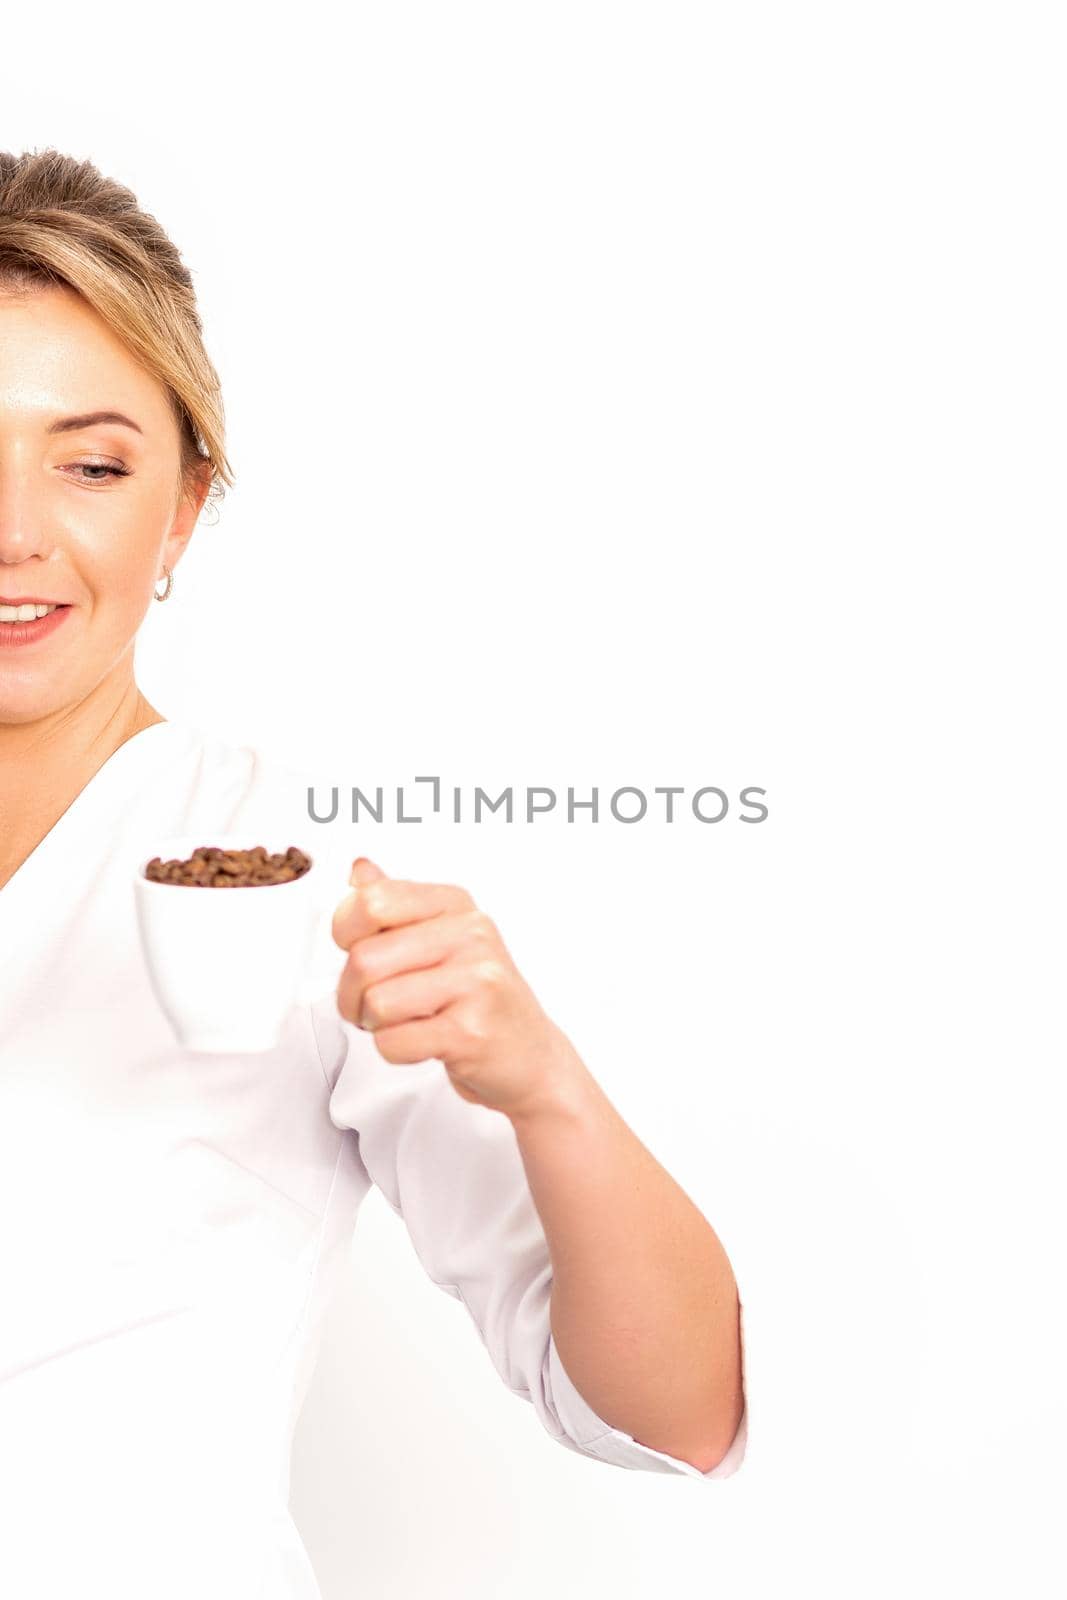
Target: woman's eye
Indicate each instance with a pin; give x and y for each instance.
(103, 468)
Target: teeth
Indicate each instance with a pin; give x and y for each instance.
(23, 613)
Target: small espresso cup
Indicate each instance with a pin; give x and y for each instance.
(225, 966)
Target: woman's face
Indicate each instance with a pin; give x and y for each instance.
(89, 514)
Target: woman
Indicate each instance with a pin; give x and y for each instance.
(174, 1222)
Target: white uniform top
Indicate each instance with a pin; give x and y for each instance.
(173, 1223)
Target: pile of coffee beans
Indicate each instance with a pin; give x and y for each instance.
(211, 868)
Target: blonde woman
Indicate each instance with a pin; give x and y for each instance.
(173, 1223)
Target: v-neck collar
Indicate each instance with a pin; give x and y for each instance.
(141, 748)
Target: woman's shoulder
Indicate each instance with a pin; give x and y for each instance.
(215, 750)
(258, 775)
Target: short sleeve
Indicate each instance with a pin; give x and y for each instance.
(453, 1172)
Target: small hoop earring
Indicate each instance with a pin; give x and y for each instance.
(170, 585)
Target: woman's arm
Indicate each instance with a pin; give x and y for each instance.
(644, 1303)
(644, 1307)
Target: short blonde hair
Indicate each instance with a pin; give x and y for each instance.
(62, 222)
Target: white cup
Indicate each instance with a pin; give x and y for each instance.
(225, 968)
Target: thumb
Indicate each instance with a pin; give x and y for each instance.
(364, 871)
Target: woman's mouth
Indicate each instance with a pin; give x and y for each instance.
(25, 624)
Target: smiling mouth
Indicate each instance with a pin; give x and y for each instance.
(25, 612)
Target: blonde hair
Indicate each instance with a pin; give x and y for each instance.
(62, 222)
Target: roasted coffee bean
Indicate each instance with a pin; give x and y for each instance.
(209, 867)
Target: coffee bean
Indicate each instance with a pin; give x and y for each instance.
(210, 867)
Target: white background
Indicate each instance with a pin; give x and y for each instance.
(665, 394)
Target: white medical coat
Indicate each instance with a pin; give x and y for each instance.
(173, 1223)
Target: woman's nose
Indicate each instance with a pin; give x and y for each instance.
(23, 512)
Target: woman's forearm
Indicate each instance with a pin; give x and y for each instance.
(644, 1306)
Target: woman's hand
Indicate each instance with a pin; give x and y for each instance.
(429, 975)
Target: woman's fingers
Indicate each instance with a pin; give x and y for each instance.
(409, 996)
(392, 902)
(411, 947)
